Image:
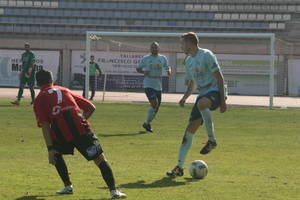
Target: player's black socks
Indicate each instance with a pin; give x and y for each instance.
(62, 170)
(107, 175)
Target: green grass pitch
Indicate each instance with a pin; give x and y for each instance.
(257, 158)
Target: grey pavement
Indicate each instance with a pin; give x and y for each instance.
(261, 101)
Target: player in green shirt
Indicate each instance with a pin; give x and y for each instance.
(94, 71)
(27, 75)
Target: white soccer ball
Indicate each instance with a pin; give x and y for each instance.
(198, 169)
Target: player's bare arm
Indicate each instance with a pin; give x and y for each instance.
(220, 80)
(188, 92)
(169, 71)
(49, 143)
(87, 113)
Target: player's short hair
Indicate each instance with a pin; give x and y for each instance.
(26, 44)
(43, 77)
(190, 37)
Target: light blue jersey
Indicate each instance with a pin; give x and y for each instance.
(200, 68)
(154, 65)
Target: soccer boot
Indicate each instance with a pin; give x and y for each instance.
(147, 127)
(177, 171)
(67, 190)
(116, 194)
(209, 145)
(16, 102)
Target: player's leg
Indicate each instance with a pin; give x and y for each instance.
(92, 86)
(61, 167)
(20, 92)
(154, 106)
(62, 170)
(90, 148)
(209, 102)
(108, 176)
(194, 123)
(31, 88)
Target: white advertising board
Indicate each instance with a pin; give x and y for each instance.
(10, 64)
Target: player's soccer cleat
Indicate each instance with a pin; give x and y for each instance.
(147, 127)
(15, 102)
(177, 171)
(116, 194)
(209, 145)
(67, 190)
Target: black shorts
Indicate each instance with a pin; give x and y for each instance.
(214, 96)
(88, 145)
(153, 94)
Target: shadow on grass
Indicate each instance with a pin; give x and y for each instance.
(122, 134)
(97, 199)
(43, 197)
(34, 197)
(6, 106)
(192, 179)
(164, 182)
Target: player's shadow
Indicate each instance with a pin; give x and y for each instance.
(97, 199)
(4, 106)
(34, 197)
(164, 182)
(122, 134)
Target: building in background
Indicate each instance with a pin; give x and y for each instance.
(57, 29)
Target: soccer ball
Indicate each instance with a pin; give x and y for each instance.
(198, 169)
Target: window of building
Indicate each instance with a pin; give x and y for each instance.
(269, 16)
(218, 16)
(287, 17)
(226, 16)
(54, 4)
(12, 3)
(1, 11)
(3, 2)
(260, 16)
(252, 16)
(277, 16)
(28, 3)
(189, 6)
(281, 25)
(37, 3)
(235, 16)
(46, 3)
(214, 7)
(243, 16)
(20, 3)
(273, 25)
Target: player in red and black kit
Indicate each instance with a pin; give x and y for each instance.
(63, 115)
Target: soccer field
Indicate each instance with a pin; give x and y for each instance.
(257, 156)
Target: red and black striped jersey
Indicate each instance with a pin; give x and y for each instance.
(62, 110)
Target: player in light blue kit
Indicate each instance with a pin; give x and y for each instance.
(202, 70)
(152, 67)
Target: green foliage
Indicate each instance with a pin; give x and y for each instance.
(257, 155)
